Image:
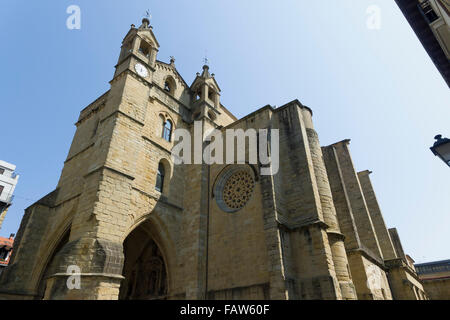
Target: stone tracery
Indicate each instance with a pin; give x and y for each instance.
(238, 190)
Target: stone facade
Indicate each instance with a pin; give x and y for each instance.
(435, 277)
(313, 230)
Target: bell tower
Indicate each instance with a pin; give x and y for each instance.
(206, 95)
(138, 51)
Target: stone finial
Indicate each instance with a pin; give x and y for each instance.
(205, 73)
(172, 60)
(146, 20)
(145, 23)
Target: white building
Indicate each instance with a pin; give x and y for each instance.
(8, 182)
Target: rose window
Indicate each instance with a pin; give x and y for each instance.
(235, 190)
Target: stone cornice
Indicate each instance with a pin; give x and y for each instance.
(157, 144)
(105, 167)
(161, 199)
(400, 263)
(128, 56)
(298, 226)
(369, 256)
(102, 275)
(80, 152)
(123, 114)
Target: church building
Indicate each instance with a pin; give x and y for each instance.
(131, 224)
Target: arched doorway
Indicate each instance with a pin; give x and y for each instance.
(144, 268)
(50, 266)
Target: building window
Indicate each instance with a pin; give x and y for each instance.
(428, 12)
(2, 170)
(197, 94)
(170, 85)
(1, 190)
(167, 130)
(210, 94)
(144, 48)
(160, 178)
(167, 86)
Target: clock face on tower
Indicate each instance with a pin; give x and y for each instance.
(141, 70)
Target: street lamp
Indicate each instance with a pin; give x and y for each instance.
(441, 148)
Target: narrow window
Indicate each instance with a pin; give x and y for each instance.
(167, 130)
(2, 170)
(197, 94)
(145, 49)
(210, 94)
(95, 128)
(167, 86)
(160, 178)
(1, 189)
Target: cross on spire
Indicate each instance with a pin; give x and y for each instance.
(205, 59)
(146, 20)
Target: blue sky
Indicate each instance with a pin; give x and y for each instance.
(378, 88)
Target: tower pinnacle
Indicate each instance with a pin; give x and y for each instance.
(146, 20)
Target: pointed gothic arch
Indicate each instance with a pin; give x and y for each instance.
(49, 266)
(148, 258)
(170, 85)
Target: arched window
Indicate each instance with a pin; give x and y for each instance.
(160, 178)
(170, 85)
(144, 49)
(167, 130)
(167, 86)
